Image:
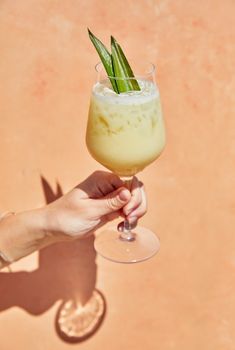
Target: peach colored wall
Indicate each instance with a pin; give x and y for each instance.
(183, 299)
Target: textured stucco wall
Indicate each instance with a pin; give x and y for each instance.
(183, 299)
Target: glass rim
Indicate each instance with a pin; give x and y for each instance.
(99, 68)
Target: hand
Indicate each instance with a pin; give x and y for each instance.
(102, 197)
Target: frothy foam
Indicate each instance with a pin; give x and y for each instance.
(105, 92)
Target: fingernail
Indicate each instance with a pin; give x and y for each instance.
(123, 195)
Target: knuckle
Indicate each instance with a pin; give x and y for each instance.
(96, 173)
(112, 203)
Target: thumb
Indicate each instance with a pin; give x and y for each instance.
(112, 202)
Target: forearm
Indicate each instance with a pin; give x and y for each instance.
(22, 234)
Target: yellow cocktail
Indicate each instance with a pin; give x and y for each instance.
(125, 132)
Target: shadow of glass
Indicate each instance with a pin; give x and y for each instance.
(73, 329)
(66, 271)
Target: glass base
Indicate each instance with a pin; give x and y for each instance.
(109, 245)
(76, 322)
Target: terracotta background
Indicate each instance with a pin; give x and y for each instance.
(184, 298)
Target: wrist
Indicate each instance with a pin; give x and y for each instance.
(38, 222)
(23, 233)
(51, 225)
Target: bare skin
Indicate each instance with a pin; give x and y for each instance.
(99, 199)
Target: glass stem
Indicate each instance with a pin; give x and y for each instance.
(127, 234)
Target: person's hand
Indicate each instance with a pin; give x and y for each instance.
(102, 197)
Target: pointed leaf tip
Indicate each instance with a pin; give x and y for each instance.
(105, 58)
(116, 65)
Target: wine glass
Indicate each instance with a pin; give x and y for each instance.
(125, 133)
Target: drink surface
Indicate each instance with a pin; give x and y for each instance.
(125, 132)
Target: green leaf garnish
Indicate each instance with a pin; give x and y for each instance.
(116, 65)
(105, 58)
(122, 70)
(123, 84)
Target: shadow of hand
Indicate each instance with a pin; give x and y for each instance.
(66, 270)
